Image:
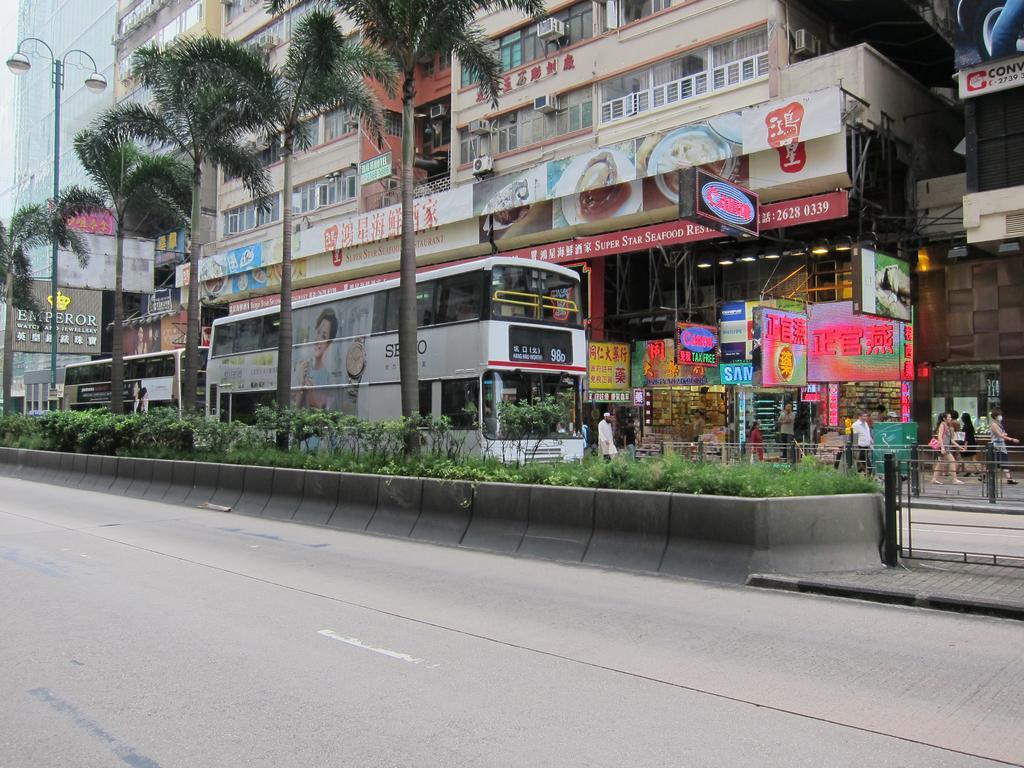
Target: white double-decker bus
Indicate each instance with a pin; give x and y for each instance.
(490, 331)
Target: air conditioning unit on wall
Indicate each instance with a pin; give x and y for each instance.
(479, 127)
(483, 165)
(546, 104)
(550, 29)
(805, 43)
(438, 111)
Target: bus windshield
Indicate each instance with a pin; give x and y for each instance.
(526, 387)
(529, 293)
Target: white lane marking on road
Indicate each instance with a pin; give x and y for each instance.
(366, 647)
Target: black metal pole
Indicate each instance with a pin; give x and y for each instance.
(915, 471)
(889, 556)
(991, 485)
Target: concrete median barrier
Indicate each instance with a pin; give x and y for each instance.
(319, 497)
(398, 506)
(711, 537)
(204, 485)
(8, 461)
(30, 465)
(18, 464)
(107, 474)
(357, 501)
(160, 480)
(65, 471)
(142, 479)
(285, 493)
(183, 476)
(500, 515)
(815, 534)
(49, 466)
(561, 523)
(630, 529)
(79, 470)
(258, 482)
(125, 476)
(445, 511)
(93, 473)
(230, 485)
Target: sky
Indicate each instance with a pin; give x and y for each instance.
(8, 41)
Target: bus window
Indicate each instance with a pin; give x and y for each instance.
(248, 335)
(512, 294)
(391, 318)
(426, 398)
(425, 304)
(224, 339)
(561, 300)
(520, 387)
(459, 402)
(459, 298)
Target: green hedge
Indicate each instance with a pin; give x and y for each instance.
(340, 443)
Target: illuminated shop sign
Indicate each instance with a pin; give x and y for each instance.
(656, 364)
(698, 345)
(845, 347)
(737, 373)
(608, 366)
(718, 203)
(780, 348)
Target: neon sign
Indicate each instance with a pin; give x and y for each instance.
(783, 348)
(845, 347)
(698, 345)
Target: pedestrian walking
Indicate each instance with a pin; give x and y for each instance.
(629, 438)
(943, 443)
(606, 438)
(865, 442)
(755, 442)
(999, 440)
(786, 428)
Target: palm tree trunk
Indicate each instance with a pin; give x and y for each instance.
(407, 341)
(117, 333)
(284, 331)
(9, 340)
(190, 375)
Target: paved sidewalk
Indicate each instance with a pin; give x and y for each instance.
(952, 586)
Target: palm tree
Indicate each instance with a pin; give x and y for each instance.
(30, 227)
(209, 96)
(406, 31)
(138, 187)
(322, 72)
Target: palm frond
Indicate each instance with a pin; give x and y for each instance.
(238, 160)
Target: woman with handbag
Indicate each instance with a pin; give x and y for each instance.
(943, 443)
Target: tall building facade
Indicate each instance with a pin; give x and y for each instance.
(821, 113)
(65, 25)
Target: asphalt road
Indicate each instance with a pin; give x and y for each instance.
(974, 532)
(139, 634)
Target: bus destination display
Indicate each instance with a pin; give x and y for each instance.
(538, 345)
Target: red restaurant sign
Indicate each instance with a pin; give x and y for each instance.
(807, 210)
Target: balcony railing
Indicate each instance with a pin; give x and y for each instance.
(432, 187)
(685, 88)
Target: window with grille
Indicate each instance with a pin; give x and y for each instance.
(999, 119)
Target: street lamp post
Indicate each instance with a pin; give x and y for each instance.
(19, 64)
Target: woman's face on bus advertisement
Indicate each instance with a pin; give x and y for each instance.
(323, 339)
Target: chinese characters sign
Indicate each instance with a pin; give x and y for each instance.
(788, 122)
(655, 363)
(845, 347)
(94, 223)
(78, 321)
(780, 348)
(608, 366)
(536, 72)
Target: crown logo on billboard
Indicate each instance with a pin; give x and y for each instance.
(63, 300)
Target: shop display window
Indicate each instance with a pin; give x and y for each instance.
(973, 389)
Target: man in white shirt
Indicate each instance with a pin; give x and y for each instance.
(606, 438)
(862, 435)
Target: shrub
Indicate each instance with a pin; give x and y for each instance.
(336, 442)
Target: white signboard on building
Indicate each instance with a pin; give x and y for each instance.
(992, 76)
(792, 120)
(98, 272)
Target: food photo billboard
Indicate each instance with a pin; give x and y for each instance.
(881, 285)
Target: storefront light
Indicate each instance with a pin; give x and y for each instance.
(844, 244)
(747, 258)
(820, 248)
(704, 264)
(800, 250)
(726, 261)
(770, 255)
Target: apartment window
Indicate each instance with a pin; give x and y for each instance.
(338, 123)
(193, 15)
(248, 216)
(527, 126)
(324, 191)
(272, 152)
(740, 60)
(522, 46)
(633, 10)
(238, 7)
(392, 123)
(269, 37)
